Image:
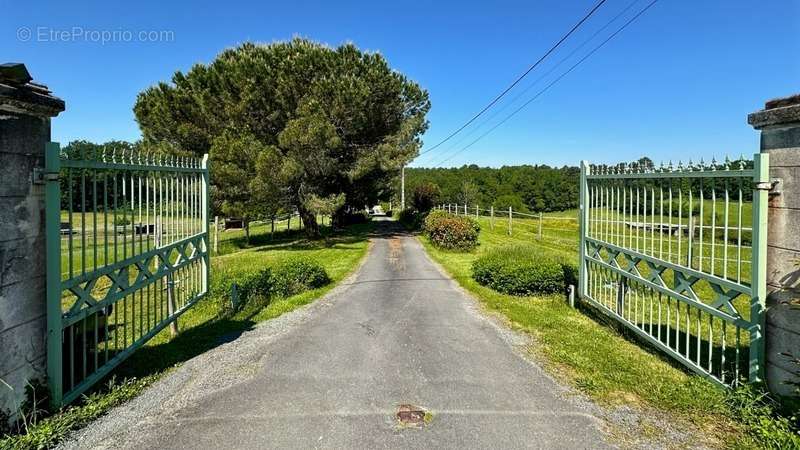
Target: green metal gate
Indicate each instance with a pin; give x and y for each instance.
(678, 255)
(127, 253)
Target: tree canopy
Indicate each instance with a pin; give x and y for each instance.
(290, 123)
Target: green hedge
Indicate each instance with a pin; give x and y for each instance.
(283, 279)
(522, 270)
(452, 232)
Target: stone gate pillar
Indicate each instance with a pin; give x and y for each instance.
(25, 112)
(779, 123)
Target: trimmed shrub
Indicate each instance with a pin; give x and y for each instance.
(295, 276)
(425, 196)
(256, 285)
(410, 219)
(352, 218)
(452, 232)
(521, 270)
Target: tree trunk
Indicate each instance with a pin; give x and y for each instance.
(309, 222)
(247, 230)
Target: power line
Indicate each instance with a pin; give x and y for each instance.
(619, 30)
(553, 48)
(497, 112)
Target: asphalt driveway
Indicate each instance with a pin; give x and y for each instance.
(333, 375)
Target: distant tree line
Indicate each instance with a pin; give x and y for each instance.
(525, 188)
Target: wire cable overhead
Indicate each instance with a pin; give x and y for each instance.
(556, 80)
(519, 78)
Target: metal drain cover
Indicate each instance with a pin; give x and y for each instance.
(412, 416)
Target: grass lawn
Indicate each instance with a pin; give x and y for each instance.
(581, 347)
(209, 323)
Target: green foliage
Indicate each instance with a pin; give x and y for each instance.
(292, 121)
(524, 188)
(410, 219)
(258, 284)
(760, 416)
(121, 221)
(425, 197)
(294, 276)
(284, 279)
(522, 270)
(452, 232)
(353, 217)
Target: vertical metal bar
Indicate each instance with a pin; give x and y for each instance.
(690, 227)
(759, 265)
(83, 220)
(53, 272)
(712, 263)
(509, 222)
(680, 219)
(94, 218)
(204, 218)
(583, 225)
(725, 232)
(739, 237)
(700, 249)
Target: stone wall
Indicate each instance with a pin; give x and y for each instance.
(25, 112)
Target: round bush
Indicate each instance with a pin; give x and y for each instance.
(256, 285)
(295, 275)
(522, 270)
(452, 232)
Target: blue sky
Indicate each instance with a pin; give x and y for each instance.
(678, 83)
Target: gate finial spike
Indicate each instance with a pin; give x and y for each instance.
(727, 163)
(669, 166)
(690, 165)
(713, 163)
(742, 162)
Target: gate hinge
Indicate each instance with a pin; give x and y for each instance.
(41, 176)
(774, 186)
(37, 177)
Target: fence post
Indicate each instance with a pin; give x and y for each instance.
(510, 231)
(491, 217)
(759, 263)
(272, 228)
(53, 274)
(540, 225)
(234, 295)
(216, 234)
(779, 124)
(583, 227)
(572, 295)
(476, 212)
(289, 222)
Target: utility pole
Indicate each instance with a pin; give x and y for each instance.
(403, 187)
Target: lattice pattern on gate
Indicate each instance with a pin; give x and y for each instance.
(677, 254)
(127, 253)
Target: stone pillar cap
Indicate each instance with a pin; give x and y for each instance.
(777, 111)
(19, 95)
